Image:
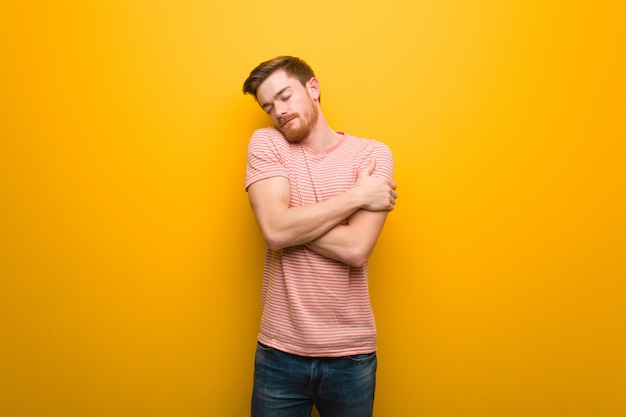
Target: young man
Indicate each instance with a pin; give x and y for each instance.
(320, 198)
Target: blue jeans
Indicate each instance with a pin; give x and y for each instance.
(288, 385)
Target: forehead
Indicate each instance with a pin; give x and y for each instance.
(275, 84)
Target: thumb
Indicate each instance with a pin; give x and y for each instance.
(368, 171)
(370, 167)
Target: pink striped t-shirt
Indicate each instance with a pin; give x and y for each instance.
(313, 305)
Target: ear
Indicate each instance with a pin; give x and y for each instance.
(313, 85)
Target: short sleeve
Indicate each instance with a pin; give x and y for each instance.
(265, 159)
(384, 159)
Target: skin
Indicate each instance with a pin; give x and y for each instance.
(294, 110)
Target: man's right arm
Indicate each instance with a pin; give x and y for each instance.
(283, 226)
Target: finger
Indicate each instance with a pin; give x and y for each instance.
(370, 167)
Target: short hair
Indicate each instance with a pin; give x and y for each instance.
(293, 66)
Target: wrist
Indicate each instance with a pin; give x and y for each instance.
(356, 198)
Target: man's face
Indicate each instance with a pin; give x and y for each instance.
(289, 104)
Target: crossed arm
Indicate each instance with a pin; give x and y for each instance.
(318, 225)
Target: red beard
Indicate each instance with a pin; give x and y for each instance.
(307, 120)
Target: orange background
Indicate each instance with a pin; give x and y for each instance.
(130, 262)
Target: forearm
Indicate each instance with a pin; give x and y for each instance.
(336, 244)
(352, 243)
(283, 226)
(299, 225)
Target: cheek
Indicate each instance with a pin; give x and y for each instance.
(272, 118)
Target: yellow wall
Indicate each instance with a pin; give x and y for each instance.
(130, 263)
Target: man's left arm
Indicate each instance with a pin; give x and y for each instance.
(354, 242)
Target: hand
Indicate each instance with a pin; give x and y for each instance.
(378, 194)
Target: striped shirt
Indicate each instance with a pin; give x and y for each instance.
(313, 305)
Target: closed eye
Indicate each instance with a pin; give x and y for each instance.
(284, 95)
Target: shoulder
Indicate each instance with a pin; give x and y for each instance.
(267, 134)
(368, 149)
(368, 146)
(267, 139)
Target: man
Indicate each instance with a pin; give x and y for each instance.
(320, 198)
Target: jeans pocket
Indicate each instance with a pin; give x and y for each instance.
(263, 347)
(362, 358)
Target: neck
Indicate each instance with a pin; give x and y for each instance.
(322, 137)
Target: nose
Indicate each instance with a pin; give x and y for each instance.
(279, 109)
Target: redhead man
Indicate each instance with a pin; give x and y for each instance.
(320, 198)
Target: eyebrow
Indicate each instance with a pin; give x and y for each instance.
(264, 105)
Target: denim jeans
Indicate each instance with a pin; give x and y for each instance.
(288, 385)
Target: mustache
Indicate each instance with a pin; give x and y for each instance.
(282, 121)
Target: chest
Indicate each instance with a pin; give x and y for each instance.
(315, 178)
